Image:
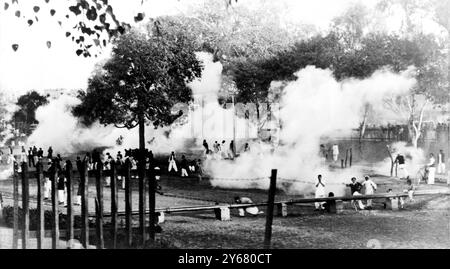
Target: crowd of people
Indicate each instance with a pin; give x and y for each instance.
(96, 160)
(222, 151)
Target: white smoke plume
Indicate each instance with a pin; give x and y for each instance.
(313, 106)
(61, 130)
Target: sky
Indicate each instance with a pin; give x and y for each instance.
(35, 66)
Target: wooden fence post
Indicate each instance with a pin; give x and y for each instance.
(16, 205)
(128, 203)
(141, 176)
(84, 205)
(114, 200)
(55, 205)
(346, 157)
(151, 201)
(25, 206)
(69, 184)
(99, 205)
(40, 232)
(270, 207)
(351, 156)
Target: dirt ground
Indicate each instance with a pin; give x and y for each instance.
(422, 224)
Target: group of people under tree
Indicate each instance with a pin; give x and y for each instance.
(185, 165)
(55, 167)
(222, 151)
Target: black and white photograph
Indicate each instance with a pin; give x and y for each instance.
(248, 126)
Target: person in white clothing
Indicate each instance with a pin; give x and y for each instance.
(335, 151)
(320, 192)
(107, 168)
(431, 165)
(370, 187)
(253, 210)
(172, 162)
(47, 182)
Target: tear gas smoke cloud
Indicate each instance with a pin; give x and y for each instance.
(313, 106)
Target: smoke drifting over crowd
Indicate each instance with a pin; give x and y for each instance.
(313, 106)
(61, 130)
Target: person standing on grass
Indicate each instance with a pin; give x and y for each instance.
(431, 165)
(30, 157)
(172, 162)
(335, 151)
(441, 162)
(80, 168)
(355, 189)
(50, 153)
(400, 161)
(370, 187)
(205, 145)
(184, 166)
(35, 156)
(47, 182)
(320, 192)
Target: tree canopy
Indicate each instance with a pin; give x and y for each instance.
(145, 77)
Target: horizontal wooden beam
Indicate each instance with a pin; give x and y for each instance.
(289, 202)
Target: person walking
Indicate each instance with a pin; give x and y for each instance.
(370, 187)
(335, 152)
(320, 192)
(400, 161)
(355, 189)
(431, 169)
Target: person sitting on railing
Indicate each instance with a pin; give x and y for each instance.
(320, 192)
(410, 190)
(355, 189)
(254, 211)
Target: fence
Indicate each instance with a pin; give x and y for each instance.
(83, 176)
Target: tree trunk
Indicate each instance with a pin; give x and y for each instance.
(141, 174)
(392, 160)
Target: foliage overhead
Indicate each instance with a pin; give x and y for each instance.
(95, 22)
(27, 106)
